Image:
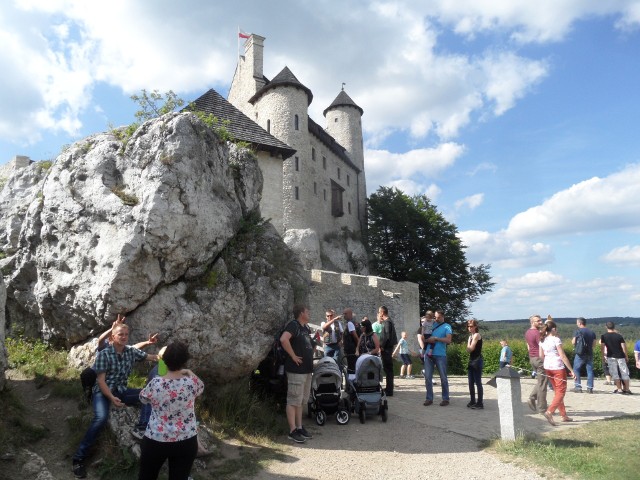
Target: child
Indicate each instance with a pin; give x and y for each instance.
(427, 330)
(403, 348)
(505, 354)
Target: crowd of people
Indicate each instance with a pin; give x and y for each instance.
(167, 425)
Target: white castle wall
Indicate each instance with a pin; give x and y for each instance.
(271, 203)
(364, 294)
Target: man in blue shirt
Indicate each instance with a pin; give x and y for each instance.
(585, 357)
(437, 357)
(113, 367)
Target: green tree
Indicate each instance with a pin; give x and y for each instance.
(409, 240)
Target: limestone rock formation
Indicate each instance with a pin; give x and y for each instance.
(167, 231)
(306, 244)
(3, 352)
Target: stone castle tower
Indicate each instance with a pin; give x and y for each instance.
(322, 195)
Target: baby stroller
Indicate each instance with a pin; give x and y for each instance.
(365, 392)
(326, 393)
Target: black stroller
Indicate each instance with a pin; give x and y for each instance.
(327, 396)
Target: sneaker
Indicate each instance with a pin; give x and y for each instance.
(138, 432)
(616, 391)
(403, 376)
(303, 431)
(626, 392)
(427, 403)
(422, 372)
(444, 403)
(577, 390)
(532, 404)
(296, 437)
(470, 404)
(79, 469)
(410, 377)
(478, 406)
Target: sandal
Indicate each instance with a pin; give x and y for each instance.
(567, 419)
(549, 418)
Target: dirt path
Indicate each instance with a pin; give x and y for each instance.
(50, 412)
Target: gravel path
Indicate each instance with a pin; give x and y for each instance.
(432, 442)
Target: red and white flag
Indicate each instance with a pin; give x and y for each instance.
(241, 34)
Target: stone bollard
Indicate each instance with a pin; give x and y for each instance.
(507, 380)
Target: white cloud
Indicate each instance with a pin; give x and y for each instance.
(540, 279)
(624, 256)
(387, 168)
(471, 202)
(501, 251)
(481, 167)
(596, 204)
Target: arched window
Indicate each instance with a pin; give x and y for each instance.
(268, 126)
(296, 123)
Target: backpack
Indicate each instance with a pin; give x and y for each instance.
(581, 347)
(88, 379)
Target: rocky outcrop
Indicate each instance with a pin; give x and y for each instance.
(167, 231)
(304, 241)
(3, 352)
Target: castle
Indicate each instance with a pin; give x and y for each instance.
(314, 180)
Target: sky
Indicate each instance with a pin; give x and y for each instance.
(518, 119)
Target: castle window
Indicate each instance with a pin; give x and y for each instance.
(268, 126)
(313, 154)
(297, 193)
(338, 173)
(295, 122)
(315, 188)
(324, 193)
(297, 164)
(336, 200)
(335, 120)
(349, 207)
(324, 162)
(348, 178)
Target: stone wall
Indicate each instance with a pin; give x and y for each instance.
(364, 294)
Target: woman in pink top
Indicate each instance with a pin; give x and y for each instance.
(555, 361)
(172, 432)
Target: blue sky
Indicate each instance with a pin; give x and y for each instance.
(518, 119)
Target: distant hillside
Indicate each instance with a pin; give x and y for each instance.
(629, 328)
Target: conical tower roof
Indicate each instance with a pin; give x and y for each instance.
(342, 100)
(284, 79)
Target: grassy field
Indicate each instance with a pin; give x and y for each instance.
(603, 450)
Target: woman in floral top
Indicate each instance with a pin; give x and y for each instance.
(172, 430)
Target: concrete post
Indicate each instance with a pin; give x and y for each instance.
(507, 380)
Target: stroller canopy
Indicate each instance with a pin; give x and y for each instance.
(326, 371)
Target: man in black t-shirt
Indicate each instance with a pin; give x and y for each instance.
(296, 341)
(616, 356)
(388, 341)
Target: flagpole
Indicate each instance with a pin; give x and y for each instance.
(238, 40)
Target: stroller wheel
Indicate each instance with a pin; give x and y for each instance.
(321, 417)
(362, 412)
(383, 413)
(342, 417)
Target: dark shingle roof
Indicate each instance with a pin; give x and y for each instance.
(331, 143)
(284, 79)
(240, 126)
(342, 100)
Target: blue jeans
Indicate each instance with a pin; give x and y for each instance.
(430, 362)
(332, 350)
(578, 362)
(101, 404)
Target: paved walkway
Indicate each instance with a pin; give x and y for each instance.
(485, 424)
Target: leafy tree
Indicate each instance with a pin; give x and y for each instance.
(409, 240)
(154, 104)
